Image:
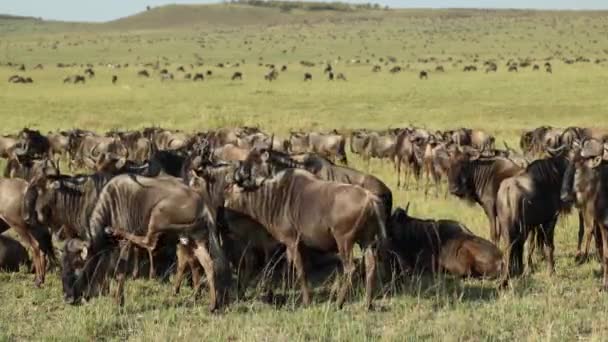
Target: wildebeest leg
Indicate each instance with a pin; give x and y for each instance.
(135, 272)
(121, 272)
(531, 241)
(604, 234)
(581, 234)
(589, 226)
(39, 259)
(370, 275)
(345, 249)
(547, 232)
(204, 257)
(295, 257)
(398, 167)
(597, 236)
(495, 234)
(182, 263)
(147, 242)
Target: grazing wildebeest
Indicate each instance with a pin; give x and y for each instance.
(395, 70)
(209, 73)
(330, 76)
(469, 68)
(143, 73)
(441, 246)
(423, 75)
(439, 68)
(380, 145)
(12, 215)
(530, 201)
(307, 77)
(114, 79)
(198, 77)
(330, 145)
(476, 178)
(75, 79)
(162, 206)
(405, 153)
(376, 68)
(535, 67)
(92, 147)
(89, 72)
(237, 76)
(513, 68)
(284, 68)
(335, 218)
(12, 255)
(341, 77)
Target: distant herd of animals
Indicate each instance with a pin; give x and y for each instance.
(273, 71)
(244, 208)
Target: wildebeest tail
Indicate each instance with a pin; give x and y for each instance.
(342, 151)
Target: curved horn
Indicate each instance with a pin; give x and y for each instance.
(506, 145)
(407, 208)
(555, 150)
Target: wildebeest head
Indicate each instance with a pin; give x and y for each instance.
(460, 183)
(73, 261)
(588, 154)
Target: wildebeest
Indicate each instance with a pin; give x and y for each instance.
(581, 187)
(335, 217)
(513, 68)
(476, 178)
(530, 201)
(330, 76)
(12, 216)
(89, 72)
(395, 70)
(330, 145)
(114, 79)
(307, 77)
(198, 77)
(12, 255)
(441, 245)
(9, 146)
(439, 68)
(166, 77)
(423, 75)
(75, 79)
(34, 143)
(237, 76)
(143, 73)
(587, 177)
(159, 207)
(341, 77)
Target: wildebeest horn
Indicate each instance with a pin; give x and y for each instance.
(271, 142)
(506, 145)
(555, 150)
(407, 208)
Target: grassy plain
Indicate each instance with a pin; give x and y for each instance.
(565, 306)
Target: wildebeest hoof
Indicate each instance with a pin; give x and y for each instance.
(70, 300)
(38, 282)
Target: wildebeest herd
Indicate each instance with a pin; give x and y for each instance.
(238, 204)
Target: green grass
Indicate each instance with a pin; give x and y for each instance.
(565, 306)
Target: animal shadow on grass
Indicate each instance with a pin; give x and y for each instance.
(440, 286)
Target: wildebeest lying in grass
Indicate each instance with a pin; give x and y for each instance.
(441, 246)
(12, 255)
